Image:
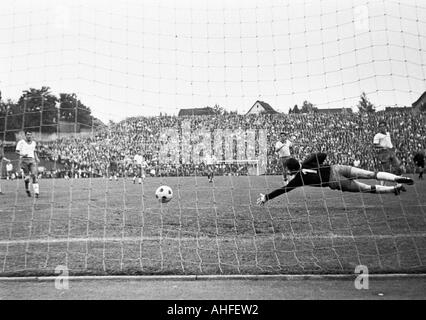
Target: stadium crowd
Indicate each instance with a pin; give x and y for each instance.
(346, 137)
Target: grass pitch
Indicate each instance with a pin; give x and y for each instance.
(102, 227)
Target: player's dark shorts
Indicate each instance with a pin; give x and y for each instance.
(420, 164)
(29, 166)
(137, 169)
(388, 156)
(283, 162)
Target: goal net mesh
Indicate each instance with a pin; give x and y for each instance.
(196, 87)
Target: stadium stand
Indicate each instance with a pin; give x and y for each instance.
(345, 136)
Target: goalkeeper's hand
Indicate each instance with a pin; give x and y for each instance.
(261, 200)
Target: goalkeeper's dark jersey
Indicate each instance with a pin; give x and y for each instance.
(312, 173)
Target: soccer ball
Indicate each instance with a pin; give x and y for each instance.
(164, 194)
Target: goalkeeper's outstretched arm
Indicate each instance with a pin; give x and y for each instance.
(296, 182)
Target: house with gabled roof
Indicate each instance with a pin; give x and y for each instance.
(420, 103)
(261, 107)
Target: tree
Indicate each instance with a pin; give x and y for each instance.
(219, 110)
(364, 105)
(71, 109)
(3, 112)
(308, 107)
(39, 109)
(295, 109)
(11, 119)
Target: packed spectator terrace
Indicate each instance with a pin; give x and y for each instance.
(346, 137)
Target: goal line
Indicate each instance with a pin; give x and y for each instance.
(277, 236)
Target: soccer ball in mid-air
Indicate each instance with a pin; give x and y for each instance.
(164, 194)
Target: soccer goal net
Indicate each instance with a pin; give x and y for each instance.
(239, 167)
(122, 97)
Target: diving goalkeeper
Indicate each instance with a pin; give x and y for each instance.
(314, 172)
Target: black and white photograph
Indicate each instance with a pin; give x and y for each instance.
(209, 156)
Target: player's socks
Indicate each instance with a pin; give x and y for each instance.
(385, 176)
(36, 189)
(134, 180)
(386, 189)
(27, 184)
(140, 180)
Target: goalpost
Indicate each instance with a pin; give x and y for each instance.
(100, 82)
(251, 164)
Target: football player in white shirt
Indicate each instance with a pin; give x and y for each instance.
(210, 162)
(282, 149)
(2, 157)
(28, 158)
(385, 151)
(141, 165)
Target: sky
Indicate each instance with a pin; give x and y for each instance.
(131, 58)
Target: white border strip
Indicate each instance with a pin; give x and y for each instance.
(222, 277)
(213, 238)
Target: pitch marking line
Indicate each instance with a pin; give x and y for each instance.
(138, 239)
(282, 277)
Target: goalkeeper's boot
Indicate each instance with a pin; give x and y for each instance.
(261, 200)
(405, 180)
(398, 188)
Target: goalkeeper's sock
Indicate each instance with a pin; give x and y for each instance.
(382, 189)
(385, 176)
